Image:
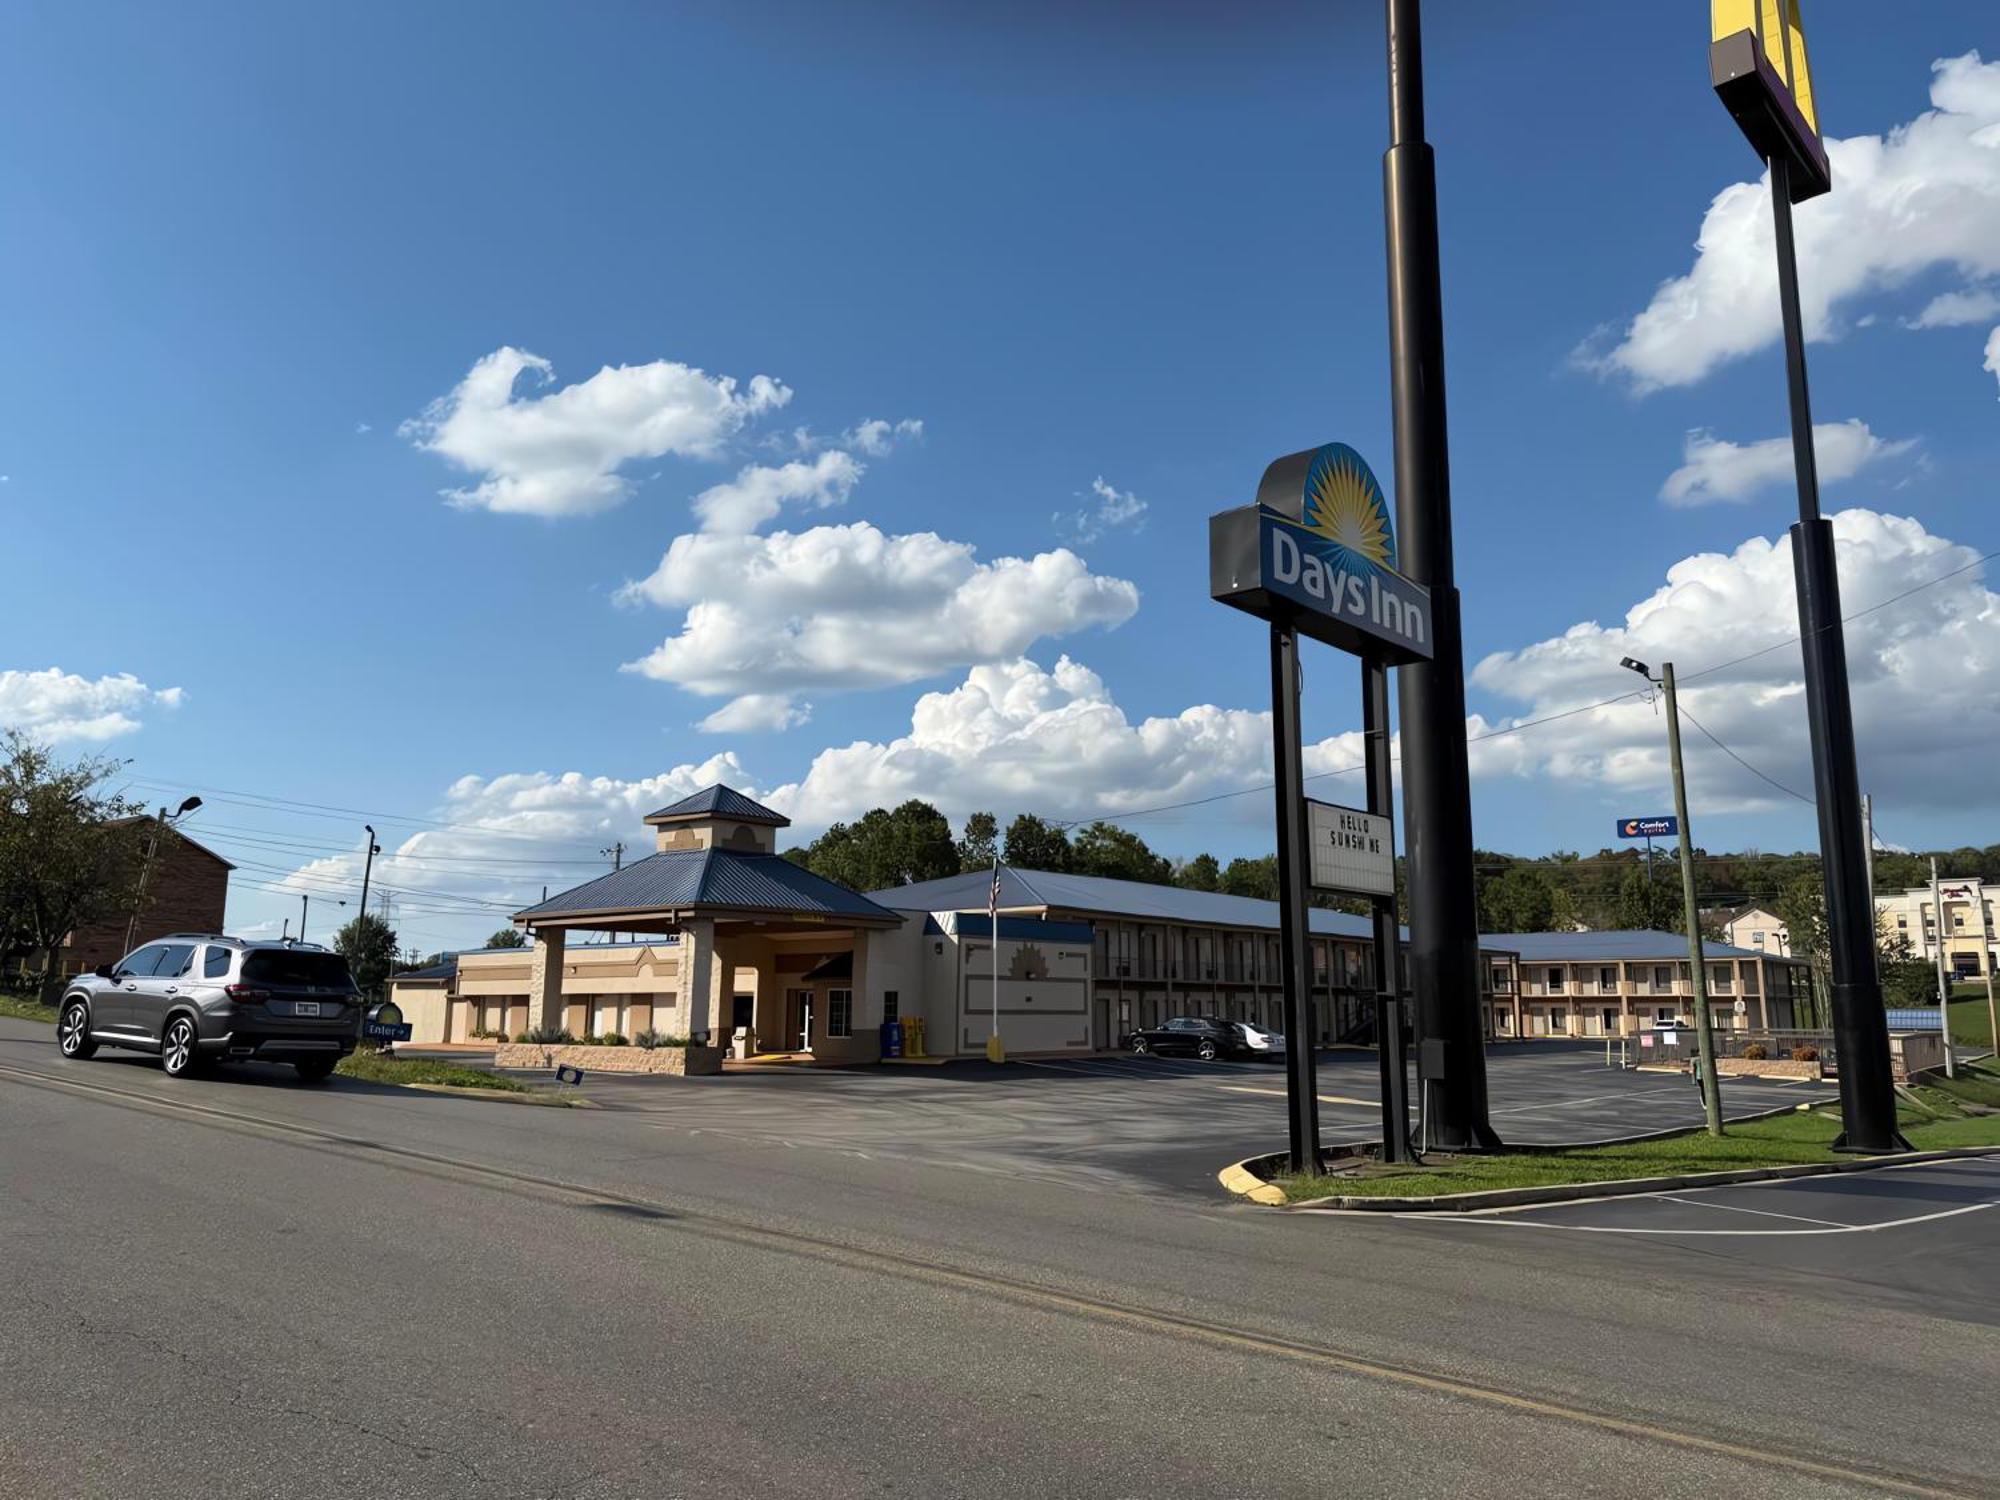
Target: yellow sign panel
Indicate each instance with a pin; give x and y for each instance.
(1778, 28)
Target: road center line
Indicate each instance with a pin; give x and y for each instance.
(1245, 1088)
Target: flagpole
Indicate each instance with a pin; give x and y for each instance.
(995, 1051)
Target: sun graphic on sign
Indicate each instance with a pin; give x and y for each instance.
(1345, 509)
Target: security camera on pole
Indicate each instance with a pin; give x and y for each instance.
(1757, 63)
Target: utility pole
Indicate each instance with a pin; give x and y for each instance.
(305, 903)
(1704, 1031)
(1944, 985)
(1437, 785)
(1868, 855)
(616, 854)
(1772, 99)
(160, 826)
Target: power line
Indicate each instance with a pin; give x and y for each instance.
(1741, 761)
(1567, 713)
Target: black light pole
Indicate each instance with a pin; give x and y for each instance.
(1860, 1025)
(1437, 786)
(1390, 1054)
(1772, 100)
(1301, 1032)
(360, 919)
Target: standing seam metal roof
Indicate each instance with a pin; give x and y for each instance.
(720, 801)
(1634, 943)
(1105, 896)
(685, 878)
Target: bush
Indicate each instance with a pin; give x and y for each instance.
(651, 1039)
(1805, 1054)
(548, 1036)
(1756, 1052)
(612, 1039)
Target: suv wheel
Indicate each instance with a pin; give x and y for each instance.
(1139, 1048)
(315, 1069)
(1206, 1051)
(178, 1053)
(73, 1031)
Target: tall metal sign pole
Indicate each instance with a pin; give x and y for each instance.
(1294, 966)
(1437, 786)
(1757, 63)
(1395, 1073)
(1316, 557)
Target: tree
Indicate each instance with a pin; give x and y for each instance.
(885, 848)
(1906, 979)
(1251, 877)
(1201, 873)
(1652, 904)
(369, 945)
(980, 842)
(64, 857)
(1035, 845)
(1801, 906)
(1518, 899)
(508, 937)
(1106, 849)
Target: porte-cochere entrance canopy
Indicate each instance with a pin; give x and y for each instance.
(751, 927)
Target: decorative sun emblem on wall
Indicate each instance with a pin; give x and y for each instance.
(1344, 507)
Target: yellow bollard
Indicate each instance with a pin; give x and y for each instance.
(996, 1050)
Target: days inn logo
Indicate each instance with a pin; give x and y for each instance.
(1342, 556)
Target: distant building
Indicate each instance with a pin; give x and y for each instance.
(1970, 951)
(1756, 927)
(1620, 983)
(187, 890)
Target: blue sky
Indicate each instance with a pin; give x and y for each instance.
(1080, 245)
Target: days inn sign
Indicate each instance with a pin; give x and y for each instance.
(1317, 552)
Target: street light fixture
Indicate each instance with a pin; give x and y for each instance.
(1704, 1031)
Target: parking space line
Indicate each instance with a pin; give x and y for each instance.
(1245, 1088)
(1760, 1212)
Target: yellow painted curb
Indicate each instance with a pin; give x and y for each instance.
(1239, 1179)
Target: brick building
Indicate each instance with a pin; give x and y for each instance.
(187, 890)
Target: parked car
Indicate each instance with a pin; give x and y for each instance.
(193, 997)
(1208, 1037)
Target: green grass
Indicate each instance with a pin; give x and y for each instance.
(22, 1008)
(1780, 1141)
(1970, 1024)
(372, 1067)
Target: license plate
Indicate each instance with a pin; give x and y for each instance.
(305, 1007)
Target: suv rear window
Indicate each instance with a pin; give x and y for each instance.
(274, 966)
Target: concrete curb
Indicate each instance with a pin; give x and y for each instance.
(1239, 1179)
(1626, 1187)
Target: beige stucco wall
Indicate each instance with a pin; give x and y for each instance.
(423, 1005)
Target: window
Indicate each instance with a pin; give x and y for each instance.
(1555, 973)
(1558, 1021)
(1663, 1013)
(1607, 979)
(1903, 923)
(141, 964)
(892, 1005)
(1663, 977)
(288, 966)
(840, 1012)
(215, 964)
(1756, 939)
(176, 959)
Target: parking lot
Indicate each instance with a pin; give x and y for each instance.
(1144, 1124)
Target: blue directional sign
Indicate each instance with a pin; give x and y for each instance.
(385, 1023)
(1649, 828)
(567, 1074)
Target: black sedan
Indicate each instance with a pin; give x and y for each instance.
(1207, 1037)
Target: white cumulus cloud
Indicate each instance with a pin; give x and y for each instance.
(1718, 470)
(1959, 309)
(759, 491)
(846, 607)
(755, 713)
(875, 437)
(1924, 673)
(54, 705)
(1924, 197)
(560, 454)
(1112, 509)
(1992, 362)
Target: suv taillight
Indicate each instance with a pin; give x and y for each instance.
(246, 994)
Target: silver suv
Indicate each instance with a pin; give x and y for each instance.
(193, 997)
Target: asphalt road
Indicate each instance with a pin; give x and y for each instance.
(242, 1287)
(1144, 1124)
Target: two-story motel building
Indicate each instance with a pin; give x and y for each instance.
(723, 933)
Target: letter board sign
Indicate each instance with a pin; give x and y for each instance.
(1351, 851)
